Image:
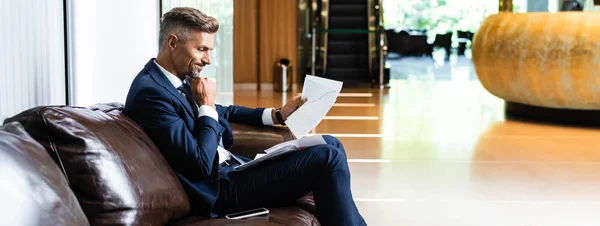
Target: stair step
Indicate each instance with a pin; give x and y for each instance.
(351, 77)
(348, 10)
(348, 73)
(348, 22)
(348, 37)
(332, 2)
(347, 47)
(347, 60)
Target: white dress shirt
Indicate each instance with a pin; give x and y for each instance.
(206, 110)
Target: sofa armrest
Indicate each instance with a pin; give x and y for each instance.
(250, 140)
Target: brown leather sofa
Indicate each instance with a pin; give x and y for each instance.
(94, 166)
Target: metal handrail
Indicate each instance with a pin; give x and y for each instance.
(314, 51)
(383, 42)
(324, 39)
(382, 51)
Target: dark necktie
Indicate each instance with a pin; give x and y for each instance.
(186, 91)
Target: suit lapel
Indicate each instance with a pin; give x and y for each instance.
(162, 80)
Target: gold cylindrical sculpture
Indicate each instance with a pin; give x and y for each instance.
(541, 59)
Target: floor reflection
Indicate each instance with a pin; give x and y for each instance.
(449, 156)
(435, 67)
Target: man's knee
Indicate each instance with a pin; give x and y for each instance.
(331, 156)
(333, 141)
(339, 161)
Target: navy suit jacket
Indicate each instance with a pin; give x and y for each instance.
(188, 142)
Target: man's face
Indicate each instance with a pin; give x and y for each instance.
(192, 54)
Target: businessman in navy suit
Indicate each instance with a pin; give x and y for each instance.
(176, 107)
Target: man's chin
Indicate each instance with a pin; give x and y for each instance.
(194, 75)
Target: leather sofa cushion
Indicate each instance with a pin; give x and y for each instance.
(288, 216)
(301, 213)
(115, 170)
(34, 189)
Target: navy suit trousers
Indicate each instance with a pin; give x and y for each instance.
(322, 169)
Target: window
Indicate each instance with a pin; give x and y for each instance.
(110, 42)
(32, 59)
(441, 16)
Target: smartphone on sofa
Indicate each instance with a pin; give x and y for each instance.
(247, 214)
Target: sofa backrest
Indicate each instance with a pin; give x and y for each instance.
(34, 190)
(115, 170)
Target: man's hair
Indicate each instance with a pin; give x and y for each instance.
(180, 21)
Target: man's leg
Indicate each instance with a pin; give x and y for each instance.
(322, 169)
(330, 140)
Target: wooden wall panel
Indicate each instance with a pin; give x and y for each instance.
(254, 59)
(245, 45)
(277, 35)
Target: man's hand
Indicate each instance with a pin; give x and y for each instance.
(204, 91)
(291, 106)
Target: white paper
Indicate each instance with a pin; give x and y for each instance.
(282, 148)
(321, 94)
(307, 141)
(259, 155)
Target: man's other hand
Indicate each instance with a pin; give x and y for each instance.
(204, 91)
(291, 106)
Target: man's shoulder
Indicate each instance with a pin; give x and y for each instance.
(143, 83)
(142, 88)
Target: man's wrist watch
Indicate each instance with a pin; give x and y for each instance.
(279, 116)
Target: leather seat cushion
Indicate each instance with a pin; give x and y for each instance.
(115, 170)
(34, 189)
(289, 216)
(300, 214)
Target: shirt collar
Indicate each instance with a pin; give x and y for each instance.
(172, 78)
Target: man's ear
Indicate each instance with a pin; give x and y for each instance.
(172, 41)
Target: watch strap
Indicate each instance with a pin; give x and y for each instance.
(279, 116)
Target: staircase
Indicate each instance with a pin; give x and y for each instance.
(347, 50)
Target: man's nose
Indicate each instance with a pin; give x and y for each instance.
(206, 59)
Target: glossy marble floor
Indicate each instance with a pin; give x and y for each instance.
(436, 149)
